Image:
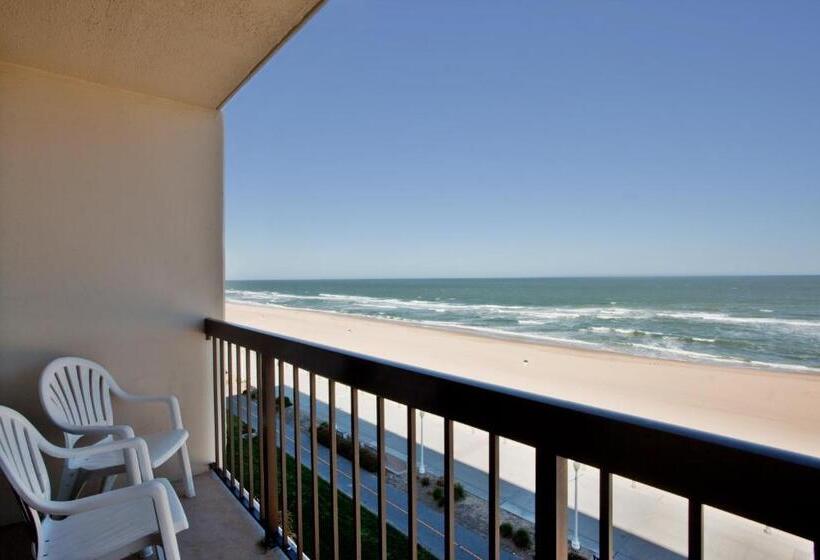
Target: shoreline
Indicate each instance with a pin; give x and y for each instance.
(548, 342)
(776, 409)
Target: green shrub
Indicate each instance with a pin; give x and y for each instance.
(288, 402)
(506, 530)
(438, 491)
(255, 393)
(458, 491)
(323, 434)
(521, 539)
(368, 458)
(344, 446)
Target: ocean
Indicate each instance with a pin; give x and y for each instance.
(770, 322)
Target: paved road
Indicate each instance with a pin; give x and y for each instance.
(470, 544)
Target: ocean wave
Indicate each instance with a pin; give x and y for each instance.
(682, 352)
(628, 332)
(710, 317)
(524, 315)
(691, 334)
(665, 351)
(510, 334)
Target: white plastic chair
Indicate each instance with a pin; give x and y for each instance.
(76, 394)
(112, 525)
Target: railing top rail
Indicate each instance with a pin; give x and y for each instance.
(772, 486)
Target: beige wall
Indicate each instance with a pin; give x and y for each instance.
(110, 244)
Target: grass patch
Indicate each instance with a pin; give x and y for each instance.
(396, 540)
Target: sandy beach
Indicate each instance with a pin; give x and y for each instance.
(771, 408)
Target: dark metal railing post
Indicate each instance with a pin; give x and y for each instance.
(271, 496)
(550, 505)
(283, 453)
(334, 468)
(297, 456)
(605, 516)
(412, 488)
(248, 401)
(449, 493)
(494, 500)
(260, 436)
(239, 422)
(695, 530)
(357, 477)
(381, 479)
(215, 345)
(230, 404)
(222, 441)
(314, 467)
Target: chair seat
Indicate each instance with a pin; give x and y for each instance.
(160, 448)
(109, 532)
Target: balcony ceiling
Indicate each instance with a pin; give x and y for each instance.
(196, 51)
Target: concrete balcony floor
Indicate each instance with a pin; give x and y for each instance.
(219, 526)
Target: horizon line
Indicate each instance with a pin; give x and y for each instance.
(534, 277)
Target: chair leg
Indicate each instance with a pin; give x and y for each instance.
(71, 483)
(186, 471)
(67, 479)
(108, 483)
(169, 550)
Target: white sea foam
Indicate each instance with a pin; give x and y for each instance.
(688, 353)
(663, 351)
(725, 318)
(523, 312)
(615, 326)
(508, 333)
(525, 315)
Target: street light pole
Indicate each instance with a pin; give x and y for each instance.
(576, 543)
(422, 470)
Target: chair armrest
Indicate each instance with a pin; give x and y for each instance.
(153, 489)
(119, 431)
(171, 400)
(138, 468)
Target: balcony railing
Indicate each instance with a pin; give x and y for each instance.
(770, 486)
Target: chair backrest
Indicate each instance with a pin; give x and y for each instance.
(22, 462)
(76, 392)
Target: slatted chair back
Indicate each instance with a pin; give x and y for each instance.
(22, 463)
(75, 393)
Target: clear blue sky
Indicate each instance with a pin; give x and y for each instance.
(530, 138)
